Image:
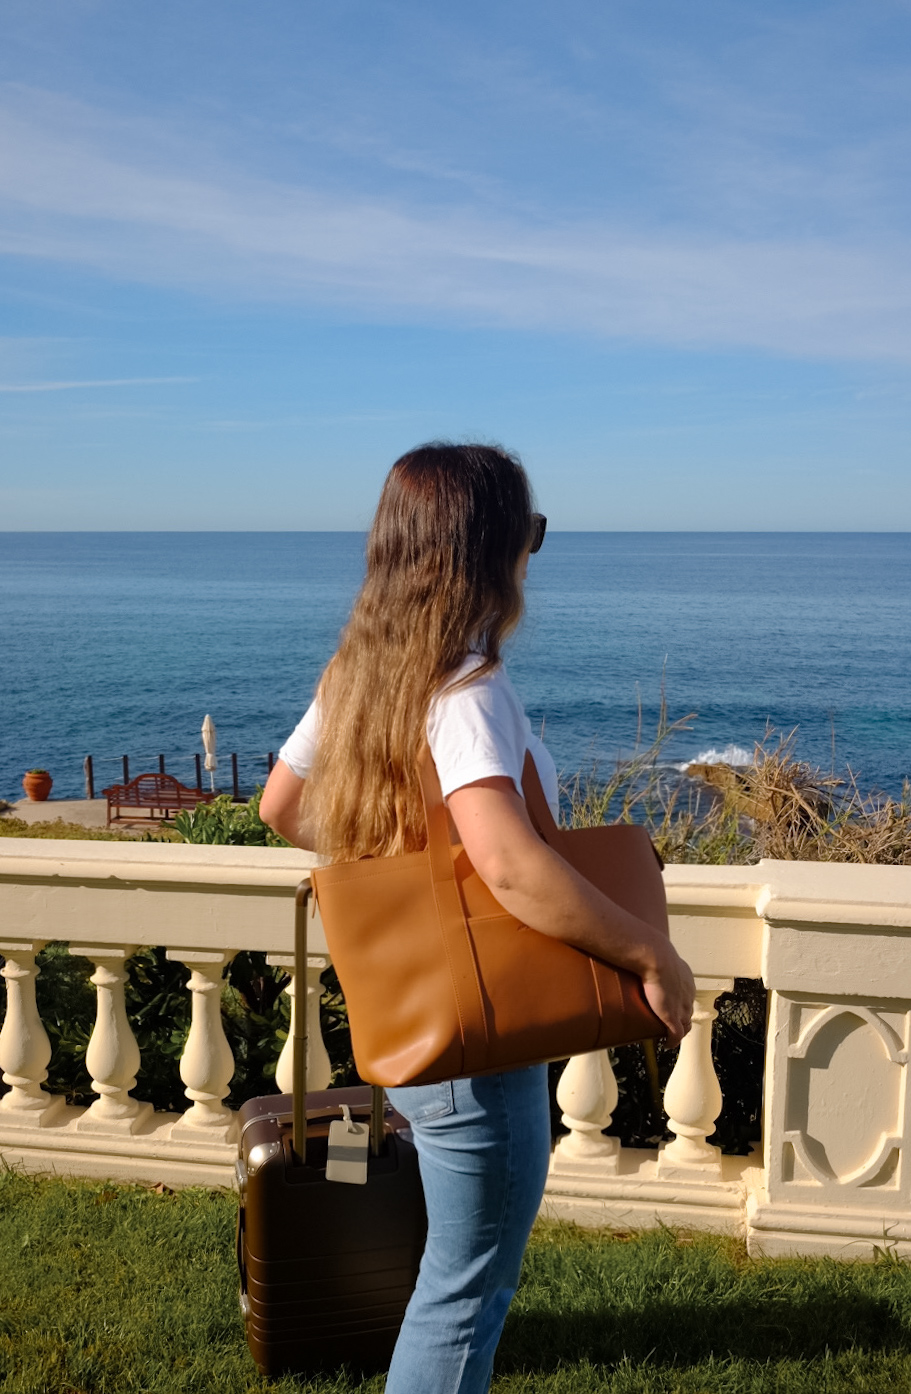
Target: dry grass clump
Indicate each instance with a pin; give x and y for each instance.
(813, 817)
(777, 807)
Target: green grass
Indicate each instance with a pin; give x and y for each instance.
(114, 1289)
(58, 829)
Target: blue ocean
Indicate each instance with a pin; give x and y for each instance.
(117, 644)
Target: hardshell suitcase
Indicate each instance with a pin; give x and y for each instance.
(326, 1268)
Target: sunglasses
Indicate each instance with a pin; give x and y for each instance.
(539, 527)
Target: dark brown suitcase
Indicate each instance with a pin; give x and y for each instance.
(326, 1268)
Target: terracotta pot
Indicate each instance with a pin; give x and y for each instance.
(37, 786)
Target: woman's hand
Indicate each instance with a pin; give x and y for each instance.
(670, 992)
(534, 883)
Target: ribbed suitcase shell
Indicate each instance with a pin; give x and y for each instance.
(326, 1268)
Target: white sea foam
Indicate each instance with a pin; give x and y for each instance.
(730, 755)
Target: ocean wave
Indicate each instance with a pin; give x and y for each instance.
(730, 755)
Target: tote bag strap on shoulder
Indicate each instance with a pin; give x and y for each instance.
(536, 801)
(462, 966)
(469, 994)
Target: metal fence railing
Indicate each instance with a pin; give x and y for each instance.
(244, 775)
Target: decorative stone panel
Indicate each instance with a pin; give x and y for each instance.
(837, 955)
(846, 1081)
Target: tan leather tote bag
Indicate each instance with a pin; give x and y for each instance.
(441, 982)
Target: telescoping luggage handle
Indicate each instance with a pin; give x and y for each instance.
(299, 1042)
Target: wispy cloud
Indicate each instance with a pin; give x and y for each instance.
(80, 188)
(97, 382)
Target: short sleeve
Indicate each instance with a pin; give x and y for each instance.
(477, 731)
(299, 749)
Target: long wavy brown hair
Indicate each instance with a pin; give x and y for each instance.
(442, 581)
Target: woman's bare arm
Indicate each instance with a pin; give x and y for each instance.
(535, 884)
(280, 805)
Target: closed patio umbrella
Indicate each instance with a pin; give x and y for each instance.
(209, 740)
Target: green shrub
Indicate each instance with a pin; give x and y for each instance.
(223, 823)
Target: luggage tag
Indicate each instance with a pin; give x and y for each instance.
(348, 1147)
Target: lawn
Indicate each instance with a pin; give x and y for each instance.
(110, 1289)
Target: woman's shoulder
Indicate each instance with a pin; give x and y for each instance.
(476, 727)
(478, 707)
(467, 686)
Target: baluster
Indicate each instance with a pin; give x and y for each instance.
(587, 1094)
(207, 1063)
(25, 1049)
(319, 1069)
(112, 1057)
(692, 1095)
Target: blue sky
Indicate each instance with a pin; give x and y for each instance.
(251, 253)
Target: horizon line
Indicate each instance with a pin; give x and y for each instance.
(551, 531)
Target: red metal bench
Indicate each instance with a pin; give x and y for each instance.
(159, 794)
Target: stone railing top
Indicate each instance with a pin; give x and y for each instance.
(726, 920)
(713, 920)
(186, 896)
(116, 863)
(713, 889)
(822, 894)
(795, 893)
(887, 888)
(836, 930)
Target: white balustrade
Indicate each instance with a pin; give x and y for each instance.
(284, 1069)
(204, 904)
(319, 1068)
(25, 1049)
(715, 927)
(692, 1095)
(587, 1093)
(112, 1057)
(207, 1064)
(832, 943)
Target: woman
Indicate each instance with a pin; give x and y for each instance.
(419, 662)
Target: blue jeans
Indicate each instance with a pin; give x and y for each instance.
(483, 1146)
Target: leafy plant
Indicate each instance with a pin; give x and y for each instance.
(159, 1008)
(223, 823)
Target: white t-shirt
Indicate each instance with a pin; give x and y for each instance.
(474, 732)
